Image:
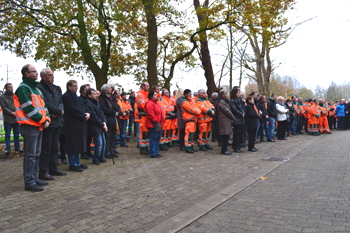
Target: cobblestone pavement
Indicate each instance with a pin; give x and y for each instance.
(139, 194)
(309, 193)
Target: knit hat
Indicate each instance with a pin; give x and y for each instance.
(187, 91)
(122, 94)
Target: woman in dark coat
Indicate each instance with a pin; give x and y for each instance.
(225, 118)
(75, 117)
(96, 125)
(252, 122)
(111, 111)
(180, 121)
(237, 108)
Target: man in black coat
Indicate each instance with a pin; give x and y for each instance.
(262, 106)
(82, 90)
(75, 117)
(272, 112)
(49, 148)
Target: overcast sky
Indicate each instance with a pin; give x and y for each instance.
(317, 52)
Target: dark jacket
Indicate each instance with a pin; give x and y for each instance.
(271, 108)
(252, 117)
(214, 102)
(261, 106)
(109, 108)
(225, 117)
(75, 124)
(132, 101)
(7, 106)
(53, 103)
(237, 108)
(95, 122)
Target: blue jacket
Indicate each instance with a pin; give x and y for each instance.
(340, 110)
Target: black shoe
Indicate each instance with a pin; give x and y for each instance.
(203, 149)
(255, 149)
(102, 160)
(256, 142)
(144, 152)
(226, 153)
(262, 140)
(84, 157)
(116, 152)
(108, 156)
(190, 151)
(58, 173)
(229, 144)
(34, 188)
(46, 176)
(238, 151)
(159, 155)
(124, 145)
(242, 146)
(89, 155)
(64, 161)
(20, 151)
(7, 152)
(154, 156)
(284, 139)
(75, 168)
(270, 140)
(252, 150)
(83, 166)
(96, 162)
(329, 132)
(115, 156)
(194, 150)
(181, 148)
(209, 148)
(41, 183)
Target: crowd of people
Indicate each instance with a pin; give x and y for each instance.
(54, 123)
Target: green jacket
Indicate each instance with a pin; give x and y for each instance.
(23, 92)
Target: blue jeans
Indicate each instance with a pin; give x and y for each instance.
(32, 139)
(271, 128)
(123, 125)
(100, 146)
(154, 138)
(74, 160)
(8, 127)
(295, 124)
(262, 128)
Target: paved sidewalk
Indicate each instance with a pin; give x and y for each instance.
(139, 194)
(309, 193)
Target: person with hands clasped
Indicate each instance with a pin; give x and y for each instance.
(252, 121)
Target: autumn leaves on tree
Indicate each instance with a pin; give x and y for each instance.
(147, 39)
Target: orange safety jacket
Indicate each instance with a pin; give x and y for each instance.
(331, 112)
(38, 103)
(206, 109)
(324, 110)
(169, 104)
(141, 99)
(189, 110)
(125, 107)
(307, 108)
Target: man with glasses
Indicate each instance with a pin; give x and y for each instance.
(33, 116)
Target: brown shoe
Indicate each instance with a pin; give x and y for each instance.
(46, 176)
(58, 173)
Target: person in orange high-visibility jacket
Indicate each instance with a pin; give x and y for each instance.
(169, 115)
(312, 115)
(141, 99)
(174, 129)
(324, 127)
(331, 115)
(125, 108)
(190, 112)
(204, 120)
(33, 116)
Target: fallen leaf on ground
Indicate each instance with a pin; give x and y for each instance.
(191, 168)
(263, 178)
(256, 167)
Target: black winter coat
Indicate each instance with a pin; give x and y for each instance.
(132, 101)
(261, 106)
(53, 103)
(95, 122)
(109, 108)
(251, 118)
(75, 124)
(237, 108)
(271, 108)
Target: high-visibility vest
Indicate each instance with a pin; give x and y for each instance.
(141, 99)
(204, 106)
(189, 111)
(38, 103)
(324, 110)
(125, 107)
(331, 112)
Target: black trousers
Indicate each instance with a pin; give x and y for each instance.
(182, 138)
(110, 137)
(237, 136)
(332, 122)
(49, 150)
(215, 131)
(251, 137)
(224, 142)
(281, 130)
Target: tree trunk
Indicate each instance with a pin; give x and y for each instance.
(152, 74)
